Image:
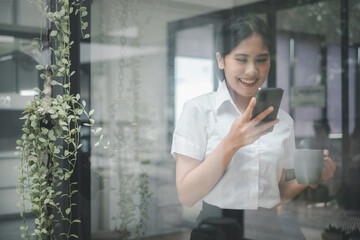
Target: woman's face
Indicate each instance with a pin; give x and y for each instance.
(246, 67)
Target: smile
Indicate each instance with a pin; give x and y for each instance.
(248, 81)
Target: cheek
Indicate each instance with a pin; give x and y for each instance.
(264, 69)
(234, 69)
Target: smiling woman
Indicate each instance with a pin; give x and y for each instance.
(223, 156)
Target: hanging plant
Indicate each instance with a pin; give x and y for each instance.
(51, 132)
(130, 119)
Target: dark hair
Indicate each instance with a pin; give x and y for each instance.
(236, 29)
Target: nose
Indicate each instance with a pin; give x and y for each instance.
(251, 69)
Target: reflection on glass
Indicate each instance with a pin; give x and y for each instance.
(193, 77)
(18, 77)
(129, 68)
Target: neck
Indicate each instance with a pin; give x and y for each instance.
(240, 101)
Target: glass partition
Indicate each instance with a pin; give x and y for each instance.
(144, 60)
(19, 23)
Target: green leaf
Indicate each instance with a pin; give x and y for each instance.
(39, 67)
(83, 103)
(73, 235)
(35, 45)
(64, 60)
(54, 82)
(33, 117)
(37, 90)
(84, 25)
(84, 13)
(87, 36)
(73, 192)
(91, 112)
(98, 129)
(67, 211)
(66, 39)
(67, 176)
(53, 33)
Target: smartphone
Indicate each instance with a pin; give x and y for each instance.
(266, 97)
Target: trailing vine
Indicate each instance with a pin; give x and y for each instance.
(51, 132)
(133, 189)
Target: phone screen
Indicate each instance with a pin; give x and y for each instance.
(266, 97)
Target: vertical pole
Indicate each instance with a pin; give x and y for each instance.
(271, 16)
(323, 65)
(291, 71)
(81, 175)
(357, 86)
(344, 24)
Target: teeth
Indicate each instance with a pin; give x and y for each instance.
(247, 81)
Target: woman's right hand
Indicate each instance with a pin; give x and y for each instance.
(245, 131)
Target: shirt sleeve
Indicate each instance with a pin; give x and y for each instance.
(289, 147)
(190, 135)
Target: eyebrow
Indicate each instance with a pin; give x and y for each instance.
(246, 55)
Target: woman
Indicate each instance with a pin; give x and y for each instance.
(222, 156)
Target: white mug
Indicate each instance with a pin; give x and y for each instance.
(308, 165)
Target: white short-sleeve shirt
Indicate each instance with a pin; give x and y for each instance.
(252, 177)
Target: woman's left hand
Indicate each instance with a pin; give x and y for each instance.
(328, 168)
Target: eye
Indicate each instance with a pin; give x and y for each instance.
(243, 60)
(261, 60)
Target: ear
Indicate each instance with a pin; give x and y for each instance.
(220, 61)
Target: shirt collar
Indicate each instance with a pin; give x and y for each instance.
(223, 95)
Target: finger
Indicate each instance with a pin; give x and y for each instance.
(262, 115)
(327, 172)
(265, 126)
(326, 152)
(262, 130)
(327, 168)
(331, 163)
(250, 108)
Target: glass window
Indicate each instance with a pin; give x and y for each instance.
(144, 60)
(147, 64)
(19, 23)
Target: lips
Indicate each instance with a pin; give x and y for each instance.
(248, 81)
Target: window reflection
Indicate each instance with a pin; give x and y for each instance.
(132, 48)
